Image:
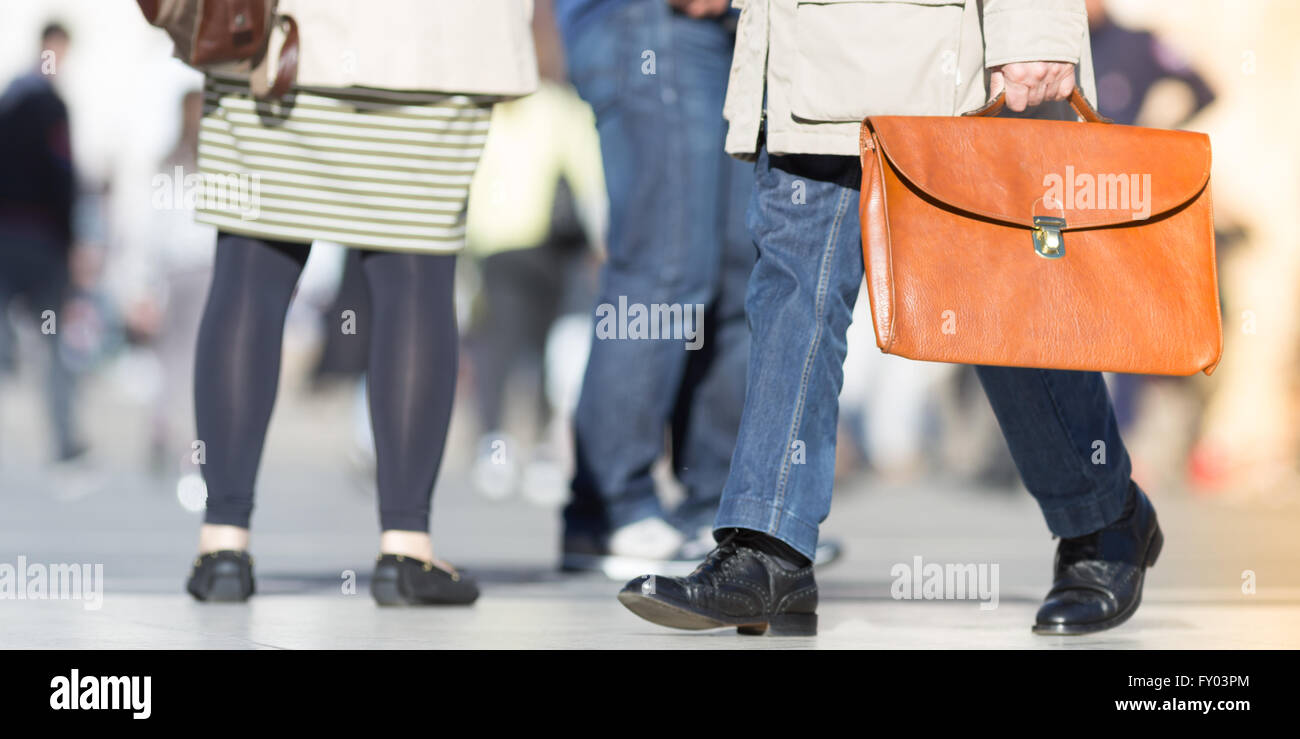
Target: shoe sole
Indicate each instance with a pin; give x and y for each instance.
(386, 593)
(666, 614)
(1154, 545)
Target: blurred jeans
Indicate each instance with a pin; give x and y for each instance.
(804, 220)
(34, 268)
(656, 81)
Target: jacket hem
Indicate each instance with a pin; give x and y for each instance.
(795, 142)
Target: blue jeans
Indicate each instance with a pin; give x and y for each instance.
(656, 81)
(803, 217)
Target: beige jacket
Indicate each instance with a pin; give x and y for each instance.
(470, 46)
(827, 64)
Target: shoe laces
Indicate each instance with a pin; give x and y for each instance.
(1085, 547)
(712, 563)
(1077, 549)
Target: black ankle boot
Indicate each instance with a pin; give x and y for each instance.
(225, 576)
(736, 585)
(405, 581)
(1099, 576)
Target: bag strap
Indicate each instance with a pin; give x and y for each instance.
(287, 69)
(150, 10)
(1077, 101)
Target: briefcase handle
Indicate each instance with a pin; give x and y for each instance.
(1077, 101)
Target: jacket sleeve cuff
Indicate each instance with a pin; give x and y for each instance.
(1044, 31)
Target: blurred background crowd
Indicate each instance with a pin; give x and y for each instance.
(92, 99)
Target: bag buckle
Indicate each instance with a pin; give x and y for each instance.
(1048, 240)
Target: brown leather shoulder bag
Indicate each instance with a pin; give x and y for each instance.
(1031, 243)
(212, 32)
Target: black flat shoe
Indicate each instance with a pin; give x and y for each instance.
(1099, 577)
(406, 581)
(736, 585)
(225, 576)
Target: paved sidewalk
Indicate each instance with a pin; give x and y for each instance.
(315, 532)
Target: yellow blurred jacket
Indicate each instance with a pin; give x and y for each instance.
(532, 143)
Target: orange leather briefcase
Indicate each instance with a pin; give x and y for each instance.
(1031, 243)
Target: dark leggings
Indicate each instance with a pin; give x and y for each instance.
(411, 374)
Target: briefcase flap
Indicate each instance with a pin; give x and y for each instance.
(1010, 170)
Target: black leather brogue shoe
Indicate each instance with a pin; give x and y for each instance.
(736, 585)
(1099, 576)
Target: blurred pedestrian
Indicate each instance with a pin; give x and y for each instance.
(535, 222)
(1130, 64)
(37, 194)
(655, 73)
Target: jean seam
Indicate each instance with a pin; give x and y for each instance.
(828, 253)
(675, 146)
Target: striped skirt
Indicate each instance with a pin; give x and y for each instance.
(367, 168)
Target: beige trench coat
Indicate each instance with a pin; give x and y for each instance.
(827, 64)
(471, 46)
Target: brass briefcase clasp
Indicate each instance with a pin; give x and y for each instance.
(1048, 240)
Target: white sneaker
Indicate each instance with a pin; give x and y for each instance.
(544, 482)
(635, 549)
(649, 538)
